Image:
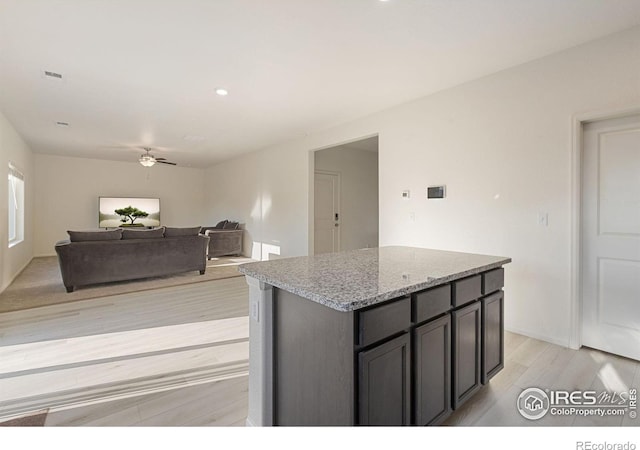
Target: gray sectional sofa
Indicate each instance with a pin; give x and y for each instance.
(90, 257)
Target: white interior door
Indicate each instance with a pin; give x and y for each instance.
(326, 213)
(611, 236)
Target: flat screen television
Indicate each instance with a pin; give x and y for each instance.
(128, 212)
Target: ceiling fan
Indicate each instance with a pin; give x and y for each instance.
(149, 160)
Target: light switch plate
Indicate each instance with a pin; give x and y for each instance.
(543, 219)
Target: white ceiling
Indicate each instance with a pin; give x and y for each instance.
(143, 72)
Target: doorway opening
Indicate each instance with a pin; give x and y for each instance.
(345, 197)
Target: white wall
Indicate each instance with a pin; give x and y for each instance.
(68, 189)
(502, 145)
(13, 149)
(358, 193)
(268, 195)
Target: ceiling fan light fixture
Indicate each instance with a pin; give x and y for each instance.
(147, 160)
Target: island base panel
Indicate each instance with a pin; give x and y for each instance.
(314, 367)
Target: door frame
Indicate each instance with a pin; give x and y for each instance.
(338, 175)
(578, 122)
(311, 189)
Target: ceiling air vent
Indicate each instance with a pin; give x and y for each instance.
(53, 74)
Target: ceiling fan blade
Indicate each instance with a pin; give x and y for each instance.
(165, 162)
(160, 159)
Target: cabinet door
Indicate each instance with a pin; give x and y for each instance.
(467, 342)
(432, 387)
(492, 335)
(384, 383)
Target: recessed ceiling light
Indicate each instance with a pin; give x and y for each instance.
(62, 124)
(222, 92)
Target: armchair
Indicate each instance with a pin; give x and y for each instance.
(225, 239)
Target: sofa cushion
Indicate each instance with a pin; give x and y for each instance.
(82, 236)
(143, 234)
(178, 232)
(231, 226)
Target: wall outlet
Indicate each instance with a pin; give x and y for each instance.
(255, 311)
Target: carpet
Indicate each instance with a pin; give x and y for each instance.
(33, 420)
(40, 283)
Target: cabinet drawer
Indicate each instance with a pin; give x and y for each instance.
(492, 281)
(431, 303)
(382, 321)
(467, 290)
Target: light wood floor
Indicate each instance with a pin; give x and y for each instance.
(88, 352)
(178, 357)
(219, 403)
(529, 363)
(533, 363)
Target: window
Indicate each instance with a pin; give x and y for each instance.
(16, 206)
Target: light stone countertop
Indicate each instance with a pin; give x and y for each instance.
(350, 280)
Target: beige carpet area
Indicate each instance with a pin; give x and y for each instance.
(40, 283)
(31, 420)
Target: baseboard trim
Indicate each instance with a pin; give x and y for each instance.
(13, 278)
(539, 337)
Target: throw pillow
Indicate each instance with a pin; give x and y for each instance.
(231, 226)
(220, 225)
(83, 236)
(143, 234)
(179, 232)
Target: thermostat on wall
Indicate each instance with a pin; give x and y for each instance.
(436, 191)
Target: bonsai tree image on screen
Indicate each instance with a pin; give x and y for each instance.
(131, 213)
(135, 212)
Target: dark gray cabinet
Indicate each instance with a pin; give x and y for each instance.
(409, 360)
(466, 290)
(313, 363)
(432, 371)
(492, 280)
(384, 389)
(431, 303)
(492, 335)
(467, 342)
(380, 322)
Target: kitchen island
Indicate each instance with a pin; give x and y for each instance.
(379, 336)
